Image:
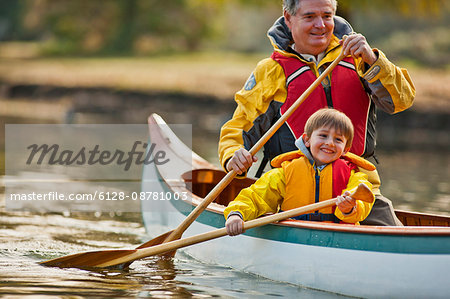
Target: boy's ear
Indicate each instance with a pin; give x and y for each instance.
(306, 140)
(346, 151)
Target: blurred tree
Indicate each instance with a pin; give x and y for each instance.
(411, 8)
(119, 26)
(68, 26)
(126, 33)
(10, 20)
(149, 26)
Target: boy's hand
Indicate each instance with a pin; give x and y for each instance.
(234, 225)
(346, 203)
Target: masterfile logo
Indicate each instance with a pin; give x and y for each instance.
(92, 167)
(95, 156)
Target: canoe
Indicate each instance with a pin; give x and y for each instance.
(362, 261)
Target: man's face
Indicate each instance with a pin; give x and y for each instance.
(312, 26)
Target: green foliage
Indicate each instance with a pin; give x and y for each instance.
(402, 7)
(10, 13)
(120, 26)
(115, 27)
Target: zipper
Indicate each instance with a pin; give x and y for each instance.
(317, 177)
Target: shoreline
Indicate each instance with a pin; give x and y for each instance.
(414, 127)
(216, 76)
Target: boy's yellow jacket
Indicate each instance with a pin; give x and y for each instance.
(293, 184)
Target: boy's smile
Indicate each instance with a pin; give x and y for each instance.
(326, 145)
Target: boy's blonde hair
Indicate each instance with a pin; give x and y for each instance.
(329, 117)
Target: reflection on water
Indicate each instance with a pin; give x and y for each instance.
(416, 180)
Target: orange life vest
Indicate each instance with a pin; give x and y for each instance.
(305, 186)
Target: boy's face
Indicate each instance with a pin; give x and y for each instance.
(326, 145)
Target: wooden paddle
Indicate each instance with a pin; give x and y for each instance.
(178, 232)
(108, 258)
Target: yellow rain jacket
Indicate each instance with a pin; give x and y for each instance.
(296, 182)
(261, 99)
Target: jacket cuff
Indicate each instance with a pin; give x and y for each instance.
(373, 73)
(235, 213)
(349, 213)
(224, 166)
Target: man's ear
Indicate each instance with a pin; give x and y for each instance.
(287, 19)
(306, 140)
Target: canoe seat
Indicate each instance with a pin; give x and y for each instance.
(201, 181)
(420, 219)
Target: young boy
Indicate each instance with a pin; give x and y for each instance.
(320, 170)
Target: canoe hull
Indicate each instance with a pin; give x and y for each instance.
(349, 260)
(343, 271)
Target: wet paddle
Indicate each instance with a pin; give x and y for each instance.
(109, 258)
(178, 232)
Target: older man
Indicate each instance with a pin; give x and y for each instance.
(306, 40)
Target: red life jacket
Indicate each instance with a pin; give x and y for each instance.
(347, 94)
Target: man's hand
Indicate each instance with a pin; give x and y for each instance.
(234, 225)
(241, 161)
(357, 46)
(346, 203)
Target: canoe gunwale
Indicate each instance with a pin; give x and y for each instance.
(362, 229)
(163, 134)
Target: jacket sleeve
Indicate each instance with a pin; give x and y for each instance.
(362, 208)
(391, 87)
(264, 196)
(265, 84)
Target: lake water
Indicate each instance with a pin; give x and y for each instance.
(415, 180)
(26, 239)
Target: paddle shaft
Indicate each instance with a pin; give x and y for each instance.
(178, 232)
(362, 193)
(177, 244)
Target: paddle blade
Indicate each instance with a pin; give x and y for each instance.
(363, 193)
(155, 241)
(90, 259)
(97, 259)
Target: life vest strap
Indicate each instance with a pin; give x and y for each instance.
(317, 217)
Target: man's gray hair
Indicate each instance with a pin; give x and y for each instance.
(291, 6)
